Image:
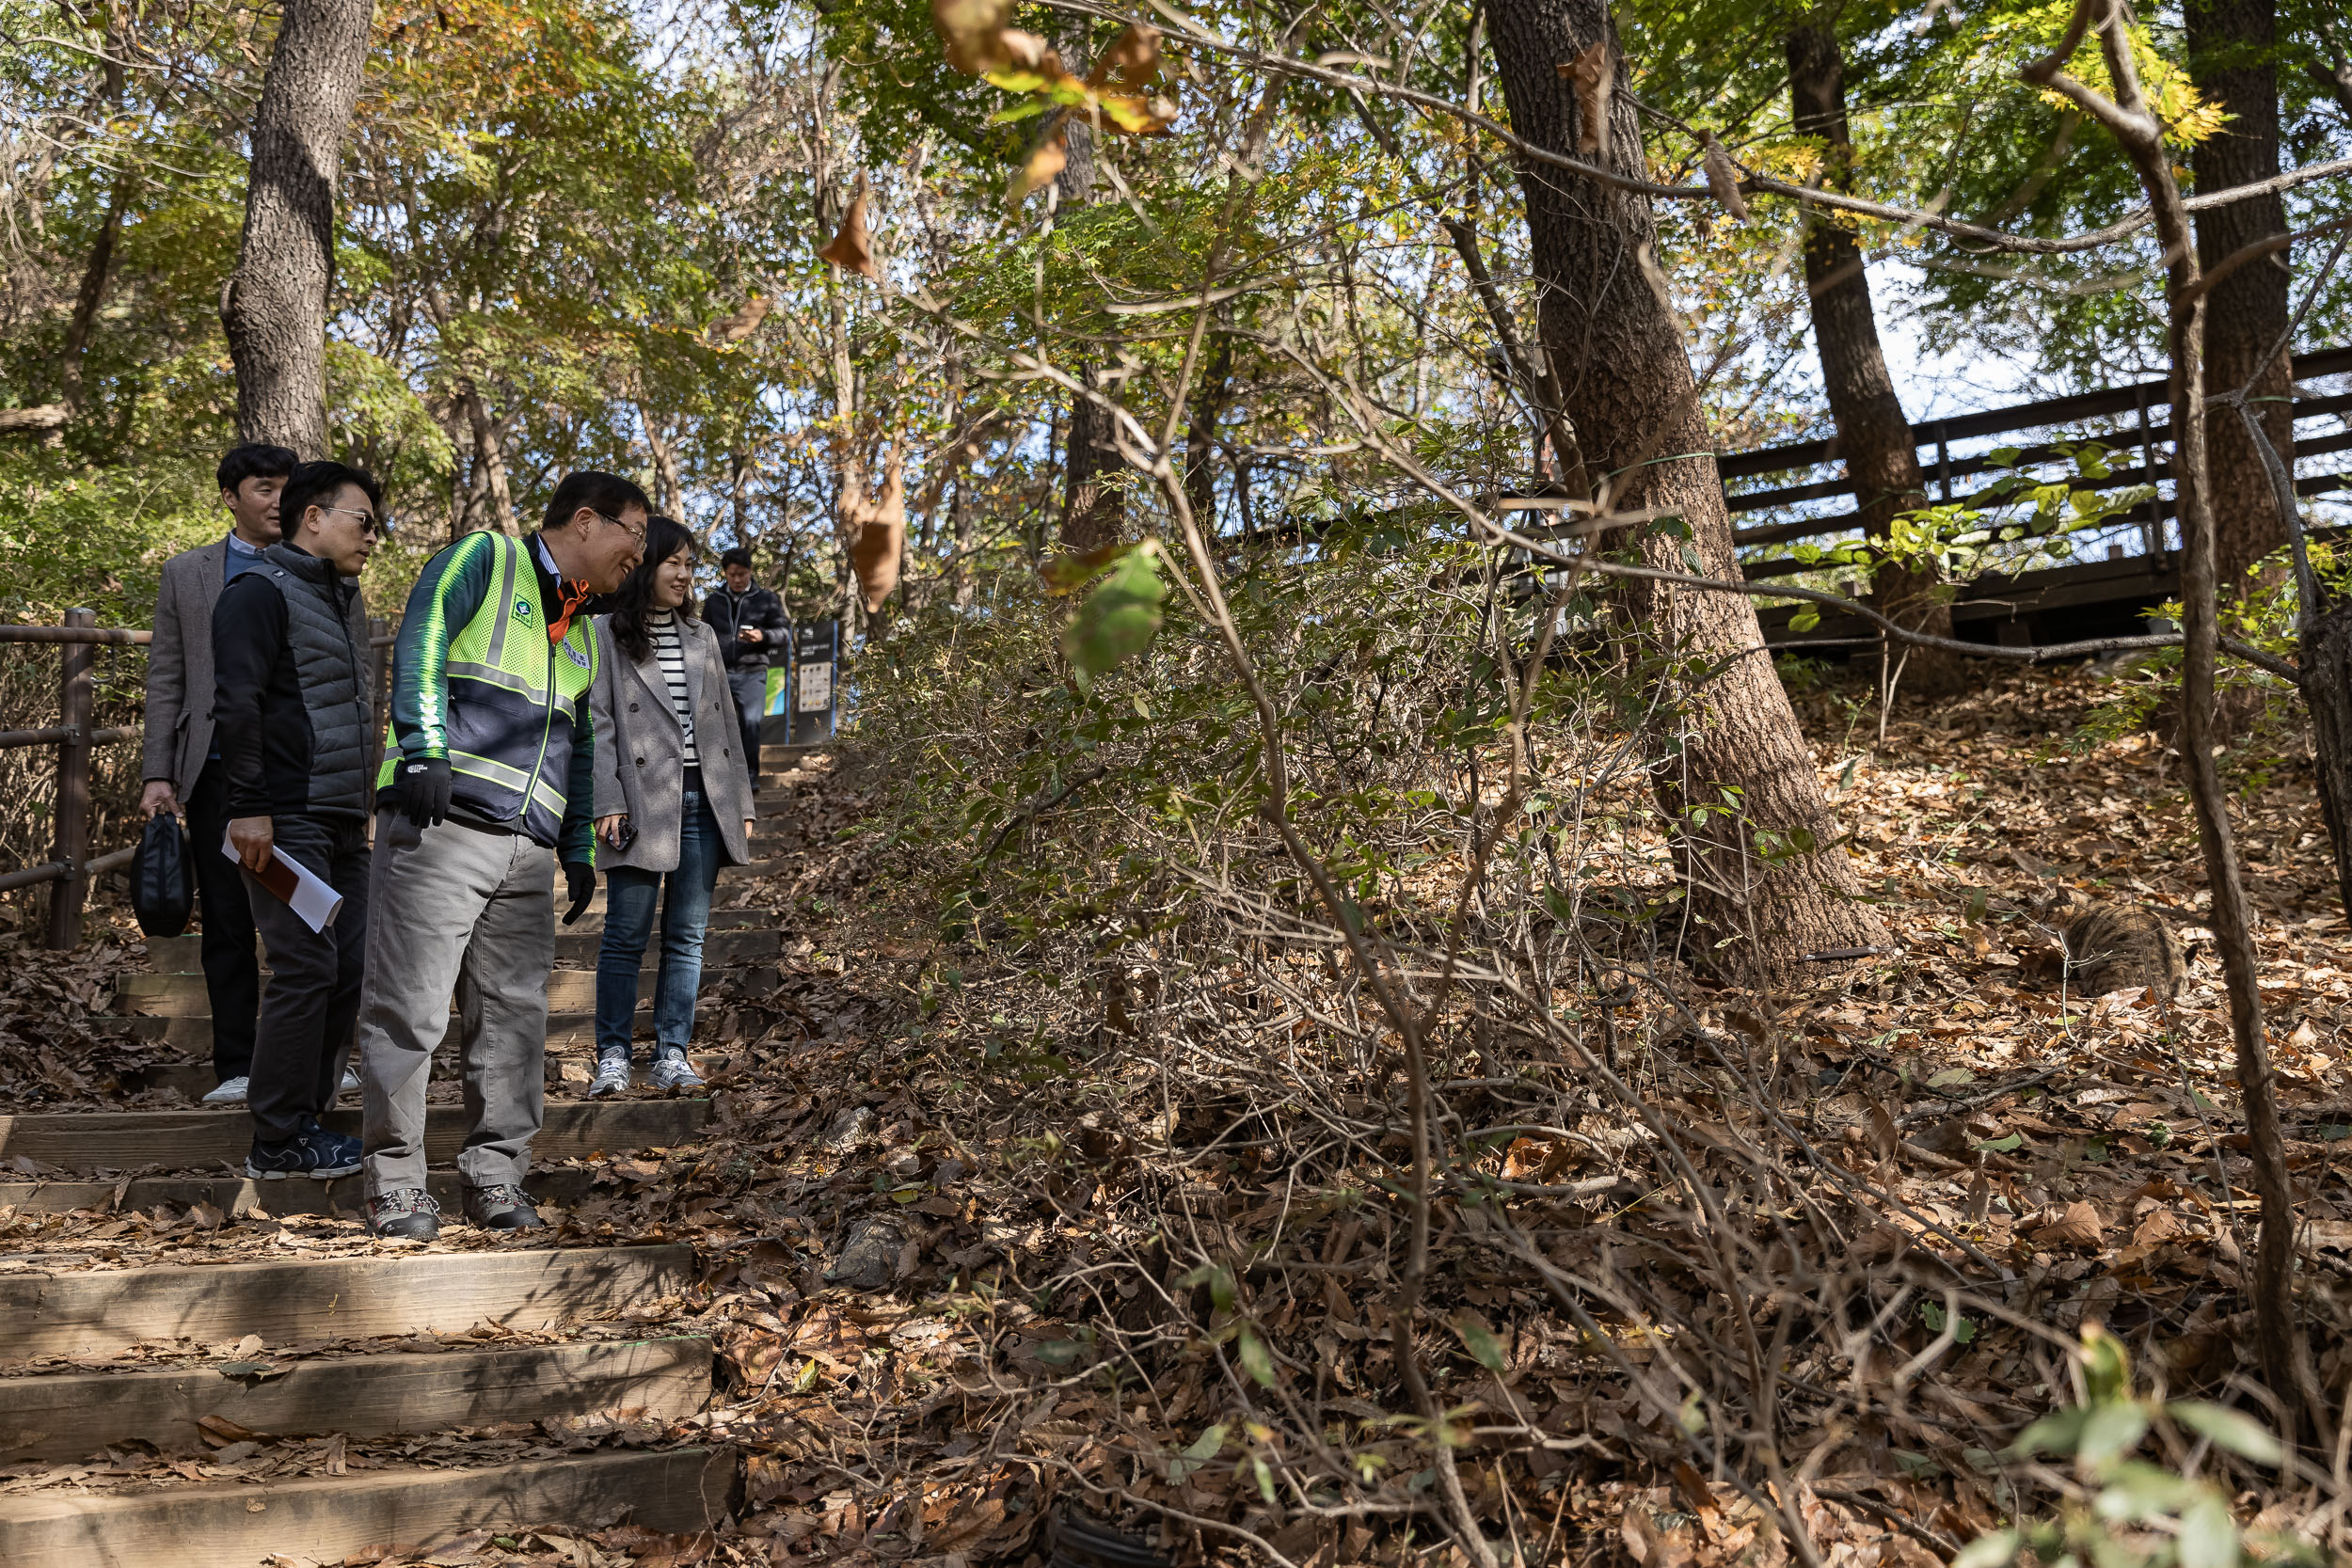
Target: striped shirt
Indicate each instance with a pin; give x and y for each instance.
(669, 653)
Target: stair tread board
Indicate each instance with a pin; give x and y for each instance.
(237, 1196)
(73, 1416)
(197, 1139)
(733, 939)
(326, 1518)
(99, 1313)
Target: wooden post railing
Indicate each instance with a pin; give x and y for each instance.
(77, 704)
(69, 865)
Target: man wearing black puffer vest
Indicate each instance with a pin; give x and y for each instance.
(293, 708)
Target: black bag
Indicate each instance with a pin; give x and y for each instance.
(162, 883)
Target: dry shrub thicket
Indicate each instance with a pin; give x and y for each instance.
(1703, 1272)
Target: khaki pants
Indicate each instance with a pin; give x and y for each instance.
(470, 914)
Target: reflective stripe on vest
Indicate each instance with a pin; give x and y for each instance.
(510, 735)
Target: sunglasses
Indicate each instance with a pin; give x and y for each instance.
(369, 523)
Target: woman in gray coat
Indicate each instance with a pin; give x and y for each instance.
(674, 803)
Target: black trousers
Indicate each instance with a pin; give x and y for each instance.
(749, 682)
(310, 1012)
(232, 974)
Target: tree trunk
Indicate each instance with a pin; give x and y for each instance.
(1092, 509)
(2328, 691)
(1873, 436)
(1629, 394)
(667, 492)
(960, 509)
(94, 292)
(739, 494)
(493, 495)
(1209, 398)
(2230, 59)
(275, 310)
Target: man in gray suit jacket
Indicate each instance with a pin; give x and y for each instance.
(182, 765)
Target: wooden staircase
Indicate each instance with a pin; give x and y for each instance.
(346, 1339)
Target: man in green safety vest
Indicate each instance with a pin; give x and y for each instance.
(485, 783)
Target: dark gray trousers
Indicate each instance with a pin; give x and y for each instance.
(311, 1001)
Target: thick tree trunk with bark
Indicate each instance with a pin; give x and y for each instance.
(1873, 436)
(2230, 44)
(1625, 382)
(276, 306)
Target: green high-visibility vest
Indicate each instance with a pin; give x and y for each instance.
(502, 703)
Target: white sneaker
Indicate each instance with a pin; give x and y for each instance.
(230, 1093)
(350, 1084)
(670, 1071)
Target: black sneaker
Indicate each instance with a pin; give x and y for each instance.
(314, 1153)
(405, 1215)
(501, 1208)
(342, 1145)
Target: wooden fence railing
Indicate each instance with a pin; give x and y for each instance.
(2145, 433)
(71, 869)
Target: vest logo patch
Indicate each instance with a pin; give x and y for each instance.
(522, 608)
(574, 656)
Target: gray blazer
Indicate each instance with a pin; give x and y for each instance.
(641, 749)
(179, 724)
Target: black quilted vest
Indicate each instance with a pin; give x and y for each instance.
(331, 667)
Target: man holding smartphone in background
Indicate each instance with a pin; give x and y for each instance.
(753, 634)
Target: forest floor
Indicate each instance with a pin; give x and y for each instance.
(876, 1205)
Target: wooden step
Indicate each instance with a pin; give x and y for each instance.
(737, 936)
(193, 1037)
(328, 1518)
(99, 1313)
(193, 1078)
(559, 1188)
(204, 1138)
(73, 1415)
(185, 996)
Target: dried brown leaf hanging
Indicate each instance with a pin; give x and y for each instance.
(1130, 61)
(878, 533)
(851, 248)
(1048, 160)
(973, 31)
(1596, 83)
(1723, 179)
(741, 324)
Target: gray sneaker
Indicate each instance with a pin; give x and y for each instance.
(231, 1092)
(671, 1070)
(612, 1075)
(501, 1207)
(404, 1215)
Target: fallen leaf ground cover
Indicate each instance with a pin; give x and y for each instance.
(990, 1231)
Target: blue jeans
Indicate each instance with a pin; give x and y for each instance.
(628, 900)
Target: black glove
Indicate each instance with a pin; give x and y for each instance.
(424, 790)
(580, 882)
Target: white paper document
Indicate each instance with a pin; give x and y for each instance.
(297, 885)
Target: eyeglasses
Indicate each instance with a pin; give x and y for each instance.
(369, 523)
(636, 533)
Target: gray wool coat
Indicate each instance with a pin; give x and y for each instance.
(641, 749)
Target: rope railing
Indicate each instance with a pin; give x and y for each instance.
(71, 869)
